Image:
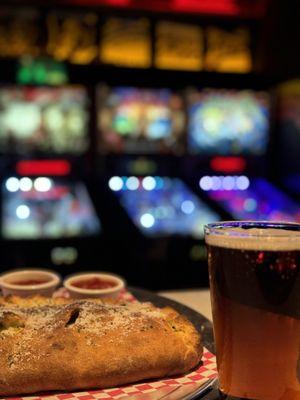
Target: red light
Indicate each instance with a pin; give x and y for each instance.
(228, 164)
(235, 8)
(43, 167)
(225, 7)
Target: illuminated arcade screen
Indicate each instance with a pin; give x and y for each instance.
(43, 119)
(228, 122)
(255, 199)
(162, 206)
(136, 120)
(46, 208)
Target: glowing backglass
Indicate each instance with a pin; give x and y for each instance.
(228, 122)
(136, 120)
(43, 119)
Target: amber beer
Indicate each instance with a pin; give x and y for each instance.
(255, 293)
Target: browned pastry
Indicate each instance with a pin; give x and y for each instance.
(46, 345)
(33, 301)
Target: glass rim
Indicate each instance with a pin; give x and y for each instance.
(218, 228)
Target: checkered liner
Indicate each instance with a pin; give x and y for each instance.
(204, 372)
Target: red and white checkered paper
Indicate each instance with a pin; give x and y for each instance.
(205, 371)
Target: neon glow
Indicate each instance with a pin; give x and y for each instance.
(164, 206)
(115, 183)
(23, 211)
(42, 184)
(43, 167)
(147, 220)
(187, 207)
(12, 184)
(228, 122)
(260, 201)
(228, 164)
(227, 182)
(149, 183)
(132, 183)
(26, 184)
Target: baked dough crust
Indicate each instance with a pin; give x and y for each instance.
(58, 344)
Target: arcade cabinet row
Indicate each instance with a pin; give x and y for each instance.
(141, 213)
(65, 120)
(149, 229)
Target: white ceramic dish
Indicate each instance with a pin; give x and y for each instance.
(77, 292)
(11, 282)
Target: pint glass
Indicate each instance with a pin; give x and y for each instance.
(254, 272)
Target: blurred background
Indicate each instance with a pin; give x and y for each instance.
(127, 125)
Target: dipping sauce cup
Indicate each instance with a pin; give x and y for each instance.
(29, 282)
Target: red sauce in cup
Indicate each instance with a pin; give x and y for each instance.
(94, 283)
(30, 282)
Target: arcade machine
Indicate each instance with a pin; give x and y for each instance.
(165, 216)
(47, 216)
(234, 125)
(288, 134)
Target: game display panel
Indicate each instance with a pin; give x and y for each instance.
(228, 122)
(136, 120)
(46, 208)
(161, 206)
(261, 201)
(43, 120)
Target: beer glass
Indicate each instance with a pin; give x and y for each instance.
(254, 270)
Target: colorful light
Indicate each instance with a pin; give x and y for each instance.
(43, 167)
(250, 205)
(149, 183)
(23, 211)
(132, 183)
(228, 182)
(12, 184)
(147, 220)
(42, 184)
(216, 182)
(205, 183)
(242, 182)
(115, 183)
(187, 207)
(228, 164)
(26, 184)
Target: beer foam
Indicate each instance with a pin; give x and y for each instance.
(269, 239)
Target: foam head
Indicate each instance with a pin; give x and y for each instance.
(284, 237)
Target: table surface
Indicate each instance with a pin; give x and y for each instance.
(197, 299)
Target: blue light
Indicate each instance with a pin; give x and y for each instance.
(115, 183)
(132, 183)
(250, 205)
(42, 184)
(26, 184)
(216, 182)
(23, 211)
(12, 184)
(159, 182)
(149, 183)
(147, 220)
(205, 183)
(228, 183)
(242, 182)
(187, 207)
